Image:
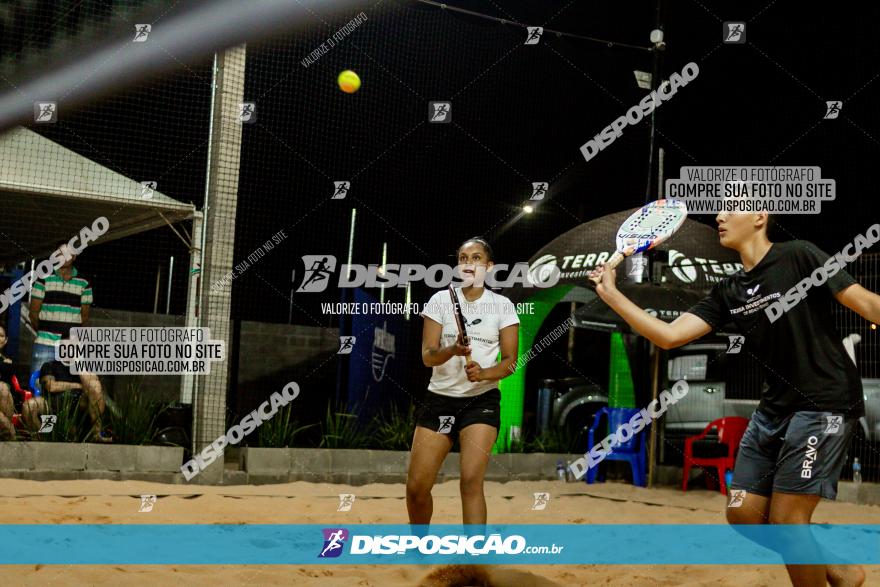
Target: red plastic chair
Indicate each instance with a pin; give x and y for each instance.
(730, 432)
(26, 395)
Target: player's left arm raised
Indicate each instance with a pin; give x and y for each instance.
(863, 302)
(509, 339)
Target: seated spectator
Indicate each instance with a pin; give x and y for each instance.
(56, 378)
(7, 402)
(10, 402)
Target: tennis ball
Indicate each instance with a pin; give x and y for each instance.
(348, 81)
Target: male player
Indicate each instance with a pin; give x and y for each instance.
(795, 446)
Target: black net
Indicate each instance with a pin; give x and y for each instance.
(136, 158)
(291, 171)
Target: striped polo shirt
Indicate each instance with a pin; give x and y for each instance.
(62, 305)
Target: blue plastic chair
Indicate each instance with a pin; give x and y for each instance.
(35, 383)
(632, 451)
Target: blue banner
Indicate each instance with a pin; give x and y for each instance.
(378, 358)
(520, 544)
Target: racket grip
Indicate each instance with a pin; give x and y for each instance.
(467, 359)
(610, 264)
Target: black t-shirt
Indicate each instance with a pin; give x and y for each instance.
(59, 371)
(805, 364)
(7, 370)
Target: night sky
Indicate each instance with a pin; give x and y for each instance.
(519, 114)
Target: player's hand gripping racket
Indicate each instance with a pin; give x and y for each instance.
(459, 320)
(646, 228)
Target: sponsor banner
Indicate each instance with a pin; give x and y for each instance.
(379, 356)
(542, 544)
(576, 266)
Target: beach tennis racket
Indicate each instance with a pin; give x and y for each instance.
(646, 228)
(459, 319)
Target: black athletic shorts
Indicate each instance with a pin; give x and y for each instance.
(448, 415)
(801, 453)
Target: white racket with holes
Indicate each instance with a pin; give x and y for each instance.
(646, 228)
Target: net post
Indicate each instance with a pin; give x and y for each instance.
(209, 406)
(193, 296)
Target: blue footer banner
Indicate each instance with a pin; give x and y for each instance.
(511, 544)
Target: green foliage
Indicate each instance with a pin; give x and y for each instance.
(282, 430)
(340, 430)
(72, 424)
(133, 418)
(517, 446)
(394, 430)
(555, 440)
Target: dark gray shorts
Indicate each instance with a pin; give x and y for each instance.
(801, 453)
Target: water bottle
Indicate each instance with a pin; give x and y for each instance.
(560, 470)
(857, 471)
(728, 478)
(569, 476)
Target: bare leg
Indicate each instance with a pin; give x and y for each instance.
(7, 430)
(31, 411)
(7, 408)
(94, 394)
(429, 449)
(476, 443)
(845, 575)
(754, 509)
(786, 508)
(7, 405)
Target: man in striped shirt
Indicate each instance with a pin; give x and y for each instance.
(58, 303)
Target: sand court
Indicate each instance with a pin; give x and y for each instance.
(118, 502)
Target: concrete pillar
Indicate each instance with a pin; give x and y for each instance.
(209, 405)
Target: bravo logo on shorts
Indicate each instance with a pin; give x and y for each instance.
(320, 268)
(810, 458)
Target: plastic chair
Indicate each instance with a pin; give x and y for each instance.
(25, 396)
(632, 451)
(730, 432)
(35, 383)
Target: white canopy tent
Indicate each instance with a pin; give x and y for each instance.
(48, 193)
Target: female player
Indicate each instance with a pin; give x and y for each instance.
(795, 445)
(462, 400)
